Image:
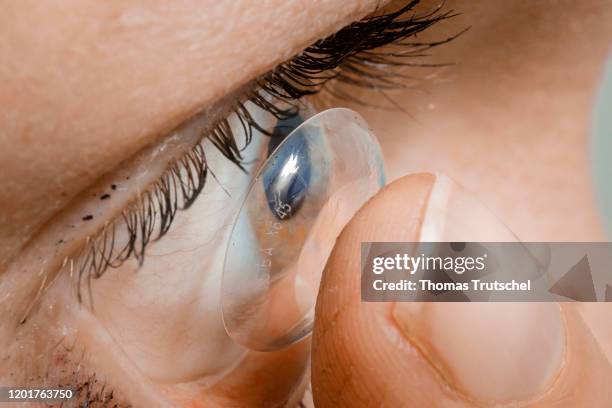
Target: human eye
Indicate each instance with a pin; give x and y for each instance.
(268, 108)
(137, 256)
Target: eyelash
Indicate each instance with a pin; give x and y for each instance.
(348, 57)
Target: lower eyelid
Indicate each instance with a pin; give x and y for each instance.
(58, 242)
(179, 272)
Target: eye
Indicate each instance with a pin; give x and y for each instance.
(365, 54)
(286, 177)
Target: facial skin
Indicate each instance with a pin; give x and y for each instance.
(89, 89)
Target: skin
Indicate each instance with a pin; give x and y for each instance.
(383, 359)
(101, 95)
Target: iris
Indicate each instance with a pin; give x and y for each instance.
(287, 176)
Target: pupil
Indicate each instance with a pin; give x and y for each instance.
(287, 176)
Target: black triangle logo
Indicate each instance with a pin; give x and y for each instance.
(577, 283)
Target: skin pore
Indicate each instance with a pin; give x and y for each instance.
(88, 87)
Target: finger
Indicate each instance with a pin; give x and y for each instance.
(442, 354)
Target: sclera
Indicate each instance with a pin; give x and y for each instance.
(273, 266)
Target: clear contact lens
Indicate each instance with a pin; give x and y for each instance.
(299, 200)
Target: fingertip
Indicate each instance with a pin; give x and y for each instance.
(358, 354)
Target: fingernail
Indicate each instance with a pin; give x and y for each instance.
(455, 214)
(490, 353)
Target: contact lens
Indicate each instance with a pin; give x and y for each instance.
(300, 199)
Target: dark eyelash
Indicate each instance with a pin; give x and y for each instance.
(147, 218)
(349, 56)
